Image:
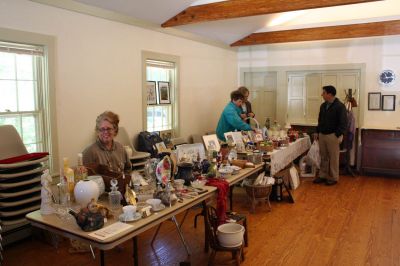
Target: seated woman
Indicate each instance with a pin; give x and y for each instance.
(106, 152)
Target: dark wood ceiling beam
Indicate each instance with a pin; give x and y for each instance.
(391, 27)
(245, 8)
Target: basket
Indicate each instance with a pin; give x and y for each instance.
(258, 192)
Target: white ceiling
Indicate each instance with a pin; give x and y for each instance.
(231, 30)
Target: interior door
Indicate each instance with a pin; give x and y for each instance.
(262, 87)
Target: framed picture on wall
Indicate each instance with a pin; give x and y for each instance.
(151, 92)
(164, 92)
(388, 102)
(374, 101)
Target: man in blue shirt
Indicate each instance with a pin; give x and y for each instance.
(230, 119)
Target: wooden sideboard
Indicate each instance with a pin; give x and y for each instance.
(380, 149)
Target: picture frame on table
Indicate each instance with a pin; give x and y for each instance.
(235, 137)
(388, 102)
(257, 137)
(161, 147)
(374, 101)
(190, 152)
(166, 135)
(211, 142)
(164, 92)
(151, 93)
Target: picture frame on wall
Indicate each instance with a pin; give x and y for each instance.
(164, 92)
(388, 102)
(151, 92)
(374, 101)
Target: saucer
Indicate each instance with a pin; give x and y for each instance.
(160, 208)
(135, 217)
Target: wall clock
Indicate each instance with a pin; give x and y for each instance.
(387, 77)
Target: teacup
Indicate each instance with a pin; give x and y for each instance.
(155, 203)
(179, 184)
(129, 211)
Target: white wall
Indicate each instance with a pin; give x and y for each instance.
(98, 67)
(375, 53)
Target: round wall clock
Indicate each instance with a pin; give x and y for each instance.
(387, 77)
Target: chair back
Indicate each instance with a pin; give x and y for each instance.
(11, 144)
(211, 226)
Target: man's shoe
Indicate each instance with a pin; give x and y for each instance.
(330, 182)
(319, 180)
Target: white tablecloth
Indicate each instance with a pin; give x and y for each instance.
(284, 156)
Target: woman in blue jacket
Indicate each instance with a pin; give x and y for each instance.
(230, 119)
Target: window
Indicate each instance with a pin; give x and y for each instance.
(22, 90)
(161, 114)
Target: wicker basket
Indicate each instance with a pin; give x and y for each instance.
(258, 192)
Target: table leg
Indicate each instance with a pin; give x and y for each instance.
(155, 235)
(135, 252)
(102, 257)
(173, 218)
(230, 197)
(206, 246)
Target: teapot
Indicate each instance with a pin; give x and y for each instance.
(91, 217)
(185, 172)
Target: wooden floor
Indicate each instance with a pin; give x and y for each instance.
(356, 222)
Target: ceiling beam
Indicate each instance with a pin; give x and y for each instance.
(391, 27)
(245, 8)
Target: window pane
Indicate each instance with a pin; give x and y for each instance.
(29, 129)
(26, 96)
(8, 99)
(24, 67)
(11, 120)
(7, 66)
(32, 148)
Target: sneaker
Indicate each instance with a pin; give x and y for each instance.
(330, 182)
(319, 180)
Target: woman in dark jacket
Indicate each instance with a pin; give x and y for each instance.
(246, 106)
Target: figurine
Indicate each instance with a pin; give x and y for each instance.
(46, 206)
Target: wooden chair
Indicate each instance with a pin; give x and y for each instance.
(211, 230)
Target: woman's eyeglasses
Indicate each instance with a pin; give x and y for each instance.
(106, 129)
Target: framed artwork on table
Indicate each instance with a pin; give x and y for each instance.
(161, 147)
(190, 152)
(151, 92)
(211, 142)
(374, 101)
(163, 92)
(234, 137)
(166, 135)
(388, 102)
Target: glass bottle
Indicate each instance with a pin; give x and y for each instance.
(114, 196)
(63, 190)
(81, 172)
(70, 177)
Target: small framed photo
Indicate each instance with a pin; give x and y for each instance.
(151, 92)
(388, 102)
(234, 137)
(374, 101)
(211, 142)
(164, 92)
(166, 135)
(161, 147)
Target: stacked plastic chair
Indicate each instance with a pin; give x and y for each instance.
(20, 176)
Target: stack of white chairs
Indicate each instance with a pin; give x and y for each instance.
(19, 186)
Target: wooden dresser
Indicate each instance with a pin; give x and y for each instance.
(380, 149)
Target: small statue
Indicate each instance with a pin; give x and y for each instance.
(46, 206)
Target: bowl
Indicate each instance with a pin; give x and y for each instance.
(225, 171)
(155, 203)
(198, 183)
(230, 234)
(179, 184)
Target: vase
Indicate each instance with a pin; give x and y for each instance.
(86, 190)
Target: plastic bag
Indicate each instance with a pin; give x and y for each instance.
(294, 178)
(313, 154)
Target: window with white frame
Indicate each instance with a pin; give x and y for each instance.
(161, 104)
(22, 90)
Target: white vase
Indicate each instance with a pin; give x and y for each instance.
(85, 191)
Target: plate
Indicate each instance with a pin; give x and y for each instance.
(160, 208)
(136, 216)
